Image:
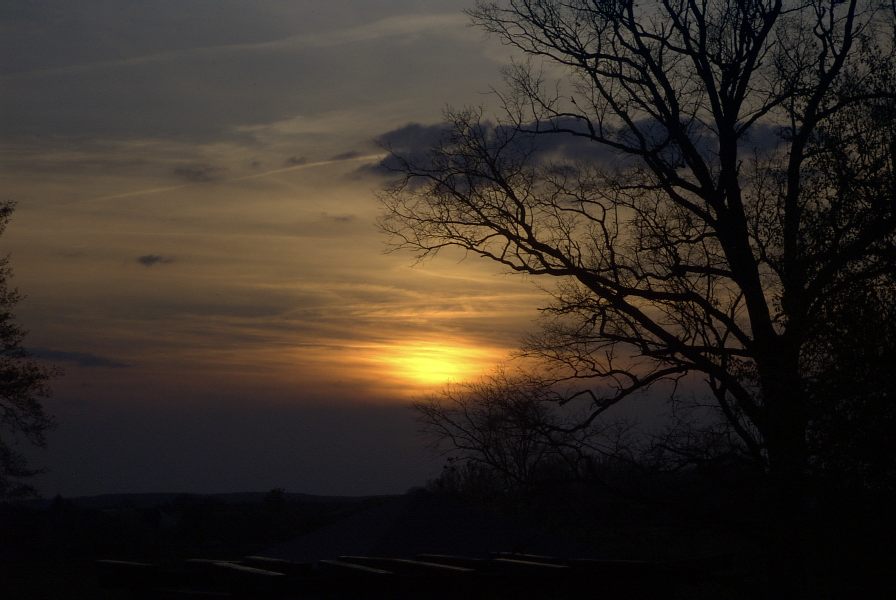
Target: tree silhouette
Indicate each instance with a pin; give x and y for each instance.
(723, 182)
(851, 397)
(23, 383)
(508, 425)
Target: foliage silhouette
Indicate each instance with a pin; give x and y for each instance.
(746, 196)
(23, 384)
(506, 433)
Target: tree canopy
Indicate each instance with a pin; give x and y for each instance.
(744, 188)
(710, 184)
(23, 384)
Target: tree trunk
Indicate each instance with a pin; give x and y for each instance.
(786, 523)
(787, 456)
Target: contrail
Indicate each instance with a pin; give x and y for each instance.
(171, 188)
(140, 192)
(319, 163)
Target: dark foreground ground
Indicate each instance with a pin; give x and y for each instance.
(577, 542)
(49, 549)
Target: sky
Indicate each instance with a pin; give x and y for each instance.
(195, 236)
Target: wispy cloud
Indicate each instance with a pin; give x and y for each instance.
(342, 218)
(150, 260)
(351, 154)
(345, 157)
(395, 26)
(199, 173)
(81, 359)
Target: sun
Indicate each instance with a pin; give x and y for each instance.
(432, 364)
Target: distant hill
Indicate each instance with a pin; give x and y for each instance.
(150, 500)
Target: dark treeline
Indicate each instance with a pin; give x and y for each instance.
(684, 488)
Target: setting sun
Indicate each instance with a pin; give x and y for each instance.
(433, 364)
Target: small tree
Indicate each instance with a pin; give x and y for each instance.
(23, 383)
(510, 426)
(743, 185)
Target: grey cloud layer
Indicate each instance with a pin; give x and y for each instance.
(83, 71)
(414, 142)
(61, 33)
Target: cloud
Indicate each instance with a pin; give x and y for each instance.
(81, 359)
(347, 155)
(346, 218)
(199, 173)
(149, 260)
(412, 143)
(547, 143)
(187, 70)
(219, 42)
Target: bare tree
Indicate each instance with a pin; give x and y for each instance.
(744, 184)
(509, 425)
(23, 383)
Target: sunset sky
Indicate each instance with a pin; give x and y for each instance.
(195, 236)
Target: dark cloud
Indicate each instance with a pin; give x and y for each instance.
(346, 155)
(199, 173)
(764, 137)
(414, 136)
(295, 161)
(339, 218)
(150, 260)
(560, 140)
(413, 143)
(556, 142)
(81, 359)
